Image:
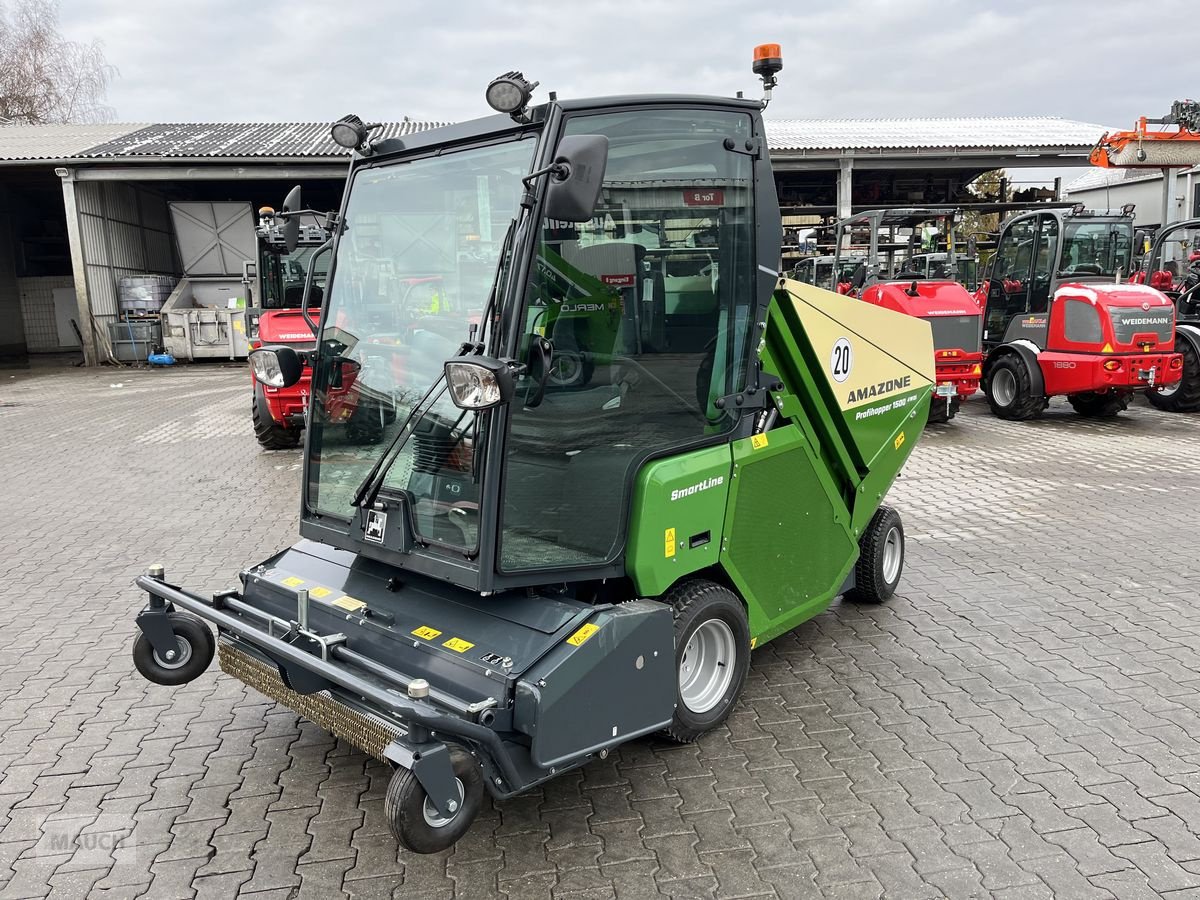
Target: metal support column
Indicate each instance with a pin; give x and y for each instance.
(83, 303)
(845, 183)
(1168, 197)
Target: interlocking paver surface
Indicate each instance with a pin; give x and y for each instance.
(1022, 720)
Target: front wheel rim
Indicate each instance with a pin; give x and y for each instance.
(893, 554)
(183, 653)
(433, 818)
(1004, 387)
(706, 668)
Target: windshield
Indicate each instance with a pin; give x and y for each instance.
(419, 250)
(284, 275)
(1096, 248)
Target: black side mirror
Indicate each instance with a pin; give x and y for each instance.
(291, 224)
(576, 178)
(1140, 239)
(972, 245)
(277, 366)
(859, 278)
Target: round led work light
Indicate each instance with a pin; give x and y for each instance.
(510, 93)
(349, 132)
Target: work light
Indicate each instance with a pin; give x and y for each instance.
(349, 132)
(278, 367)
(480, 382)
(510, 93)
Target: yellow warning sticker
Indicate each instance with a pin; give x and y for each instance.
(426, 633)
(349, 603)
(293, 581)
(753, 642)
(585, 632)
(458, 645)
(1107, 348)
(899, 440)
(320, 592)
(669, 543)
(758, 441)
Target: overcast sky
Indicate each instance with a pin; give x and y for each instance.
(315, 60)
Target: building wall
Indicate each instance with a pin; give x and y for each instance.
(1146, 194)
(12, 332)
(42, 333)
(125, 230)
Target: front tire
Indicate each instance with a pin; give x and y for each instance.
(1009, 390)
(880, 558)
(270, 434)
(415, 821)
(1095, 405)
(194, 649)
(1184, 396)
(712, 656)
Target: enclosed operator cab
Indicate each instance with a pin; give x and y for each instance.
(1059, 319)
(613, 451)
(925, 285)
(819, 270)
(1173, 267)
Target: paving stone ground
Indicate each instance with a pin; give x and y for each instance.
(1021, 721)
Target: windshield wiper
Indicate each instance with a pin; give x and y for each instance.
(368, 489)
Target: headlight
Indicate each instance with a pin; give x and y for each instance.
(479, 382)
(276, 367)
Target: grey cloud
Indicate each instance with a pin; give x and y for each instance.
(313, 60)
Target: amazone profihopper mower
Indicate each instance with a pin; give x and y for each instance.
(520, 577)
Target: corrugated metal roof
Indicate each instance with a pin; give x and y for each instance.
(1008, 132)
(32, 142)
(1103, 178)
(225, 140)
(267, 140)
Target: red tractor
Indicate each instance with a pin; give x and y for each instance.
(279, 413)
(1059, 321)
(937, 296)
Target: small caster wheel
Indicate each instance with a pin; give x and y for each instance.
(194, 651)
(880, 558)
(417, 823)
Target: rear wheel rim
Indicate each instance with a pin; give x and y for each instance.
(1169, 391)
(1004, 387)
(433, 818)
(707, 665)
(893, 554)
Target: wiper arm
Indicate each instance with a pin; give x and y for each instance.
(364, 494)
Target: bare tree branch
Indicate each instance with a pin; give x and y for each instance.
(45, 78)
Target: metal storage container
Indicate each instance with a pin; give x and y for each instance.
(141, 294)
(205, 316)
(134, 339)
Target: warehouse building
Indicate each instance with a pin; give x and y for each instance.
(82, 206)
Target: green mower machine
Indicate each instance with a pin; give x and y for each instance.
(533, 566)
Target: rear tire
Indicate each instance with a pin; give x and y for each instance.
(194, 648)
(1096, 405)
(938, 411)
(880, 558)
(1185, 396)
(1009, 390)
(271, 435)
(712, 656)
(416, 823)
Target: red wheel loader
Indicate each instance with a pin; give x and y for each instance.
(1058, 319)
